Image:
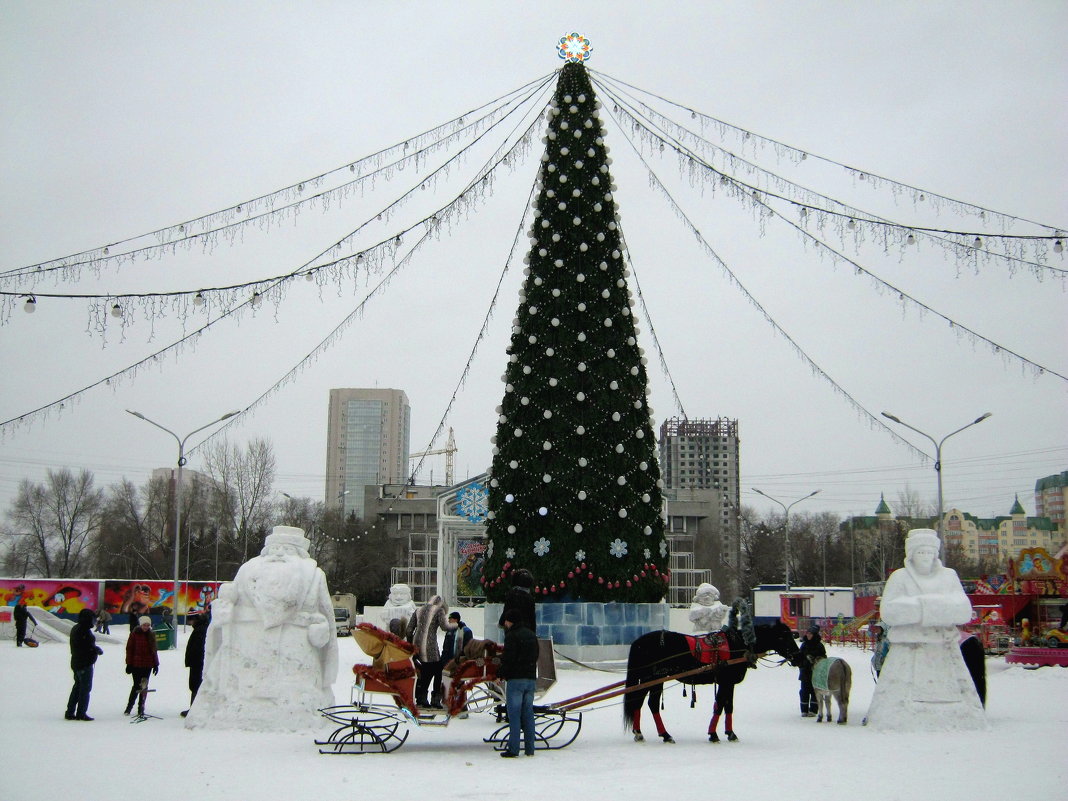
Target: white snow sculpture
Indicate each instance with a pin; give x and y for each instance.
(271, 653)
(924, 684)
(399, 605)
(706, 611)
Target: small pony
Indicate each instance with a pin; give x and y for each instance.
(832, 677)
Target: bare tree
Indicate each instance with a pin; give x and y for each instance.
(243, 487)
(57, 518)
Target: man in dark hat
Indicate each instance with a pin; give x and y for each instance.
(811, 650)
(519, 667)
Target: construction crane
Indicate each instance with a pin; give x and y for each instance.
(449, 449)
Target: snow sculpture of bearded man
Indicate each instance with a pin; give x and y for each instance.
(924, 684)
(706, 612)
(399, 606)
(271, 659)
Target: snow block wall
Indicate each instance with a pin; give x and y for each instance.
(589, 630)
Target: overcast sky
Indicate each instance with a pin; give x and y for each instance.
(122, 118)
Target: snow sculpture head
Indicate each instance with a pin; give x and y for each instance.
(921, 550)
(706, 595)
(399, 595)
(285, 541)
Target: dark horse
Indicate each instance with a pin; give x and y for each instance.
(667, 653)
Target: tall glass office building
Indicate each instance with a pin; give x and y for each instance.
(367, 437)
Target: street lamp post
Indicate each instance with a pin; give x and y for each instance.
(786, 525)
(938, 464)
(178, 502)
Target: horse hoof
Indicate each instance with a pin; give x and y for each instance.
(841, 723)
(732, 737)
(713, 737)
(819, 718)
(639, 737)
(667, 738)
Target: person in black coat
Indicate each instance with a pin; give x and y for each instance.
(21, 614)
(521, 598)
(811, 650)
(519, 668)
(83, 654)
(194, 654)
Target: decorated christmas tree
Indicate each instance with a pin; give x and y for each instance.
(575, 489)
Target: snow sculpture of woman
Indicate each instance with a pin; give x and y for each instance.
(924, 684)
(706, 612)
(271, 657)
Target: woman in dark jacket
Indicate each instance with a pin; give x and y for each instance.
(521, 598)
(811, 650)
(194, 654)
(83, 654)
(141, 659)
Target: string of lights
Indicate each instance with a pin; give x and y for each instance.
(814, 207)
(152, 302)
(757, 197)
(784, 150)
(291, 196)
(732, 278)
(471, 193)
(495, 161)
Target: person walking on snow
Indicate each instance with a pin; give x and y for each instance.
(423, 634)
(141, 659)
(519, 668)
(83, 654)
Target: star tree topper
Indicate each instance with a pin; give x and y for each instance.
(575, 48)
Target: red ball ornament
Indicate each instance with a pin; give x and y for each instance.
(507, 565)
(633, 578)
(600, 579)
(562, 583)
(628, 584)
(643, 574)
(583, 566)
(552, 588)
(589, 576)
(570, 573)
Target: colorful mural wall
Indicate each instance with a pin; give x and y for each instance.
(70, 596)
(471, 555)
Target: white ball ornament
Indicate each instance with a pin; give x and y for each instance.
(542, 511)
(509, 498)
(639, 434)
(494, 482)
(648, 530)
(619, 448)
(580, 277)
(613, 385)
(547, 414)
(518, 432)
(532, 310)
(581, 336)
(634, 371)
(546, 446)
(556, 237)
(556, 293)
(578, 528)
(581, 396)
(553, 382)
(546, 478)
(581, 307)
(646, 497)
(549, 351)
(576, 221)
(582, 461)
(597, 207)
(582, 495)
(621, 480)
(643, 466)
(513, 464)
(524, 400)
(511, 529)
(580, 430)
(611, 353)
(509, 388)
(607, 322)
(584, 247)
(582, 367)
(615, 417)
(622, 512)
(526, 369)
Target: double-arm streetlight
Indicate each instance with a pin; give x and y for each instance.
(178, 501)
(786, 524)
(938, 463)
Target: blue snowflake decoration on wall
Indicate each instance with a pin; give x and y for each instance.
(472, 502)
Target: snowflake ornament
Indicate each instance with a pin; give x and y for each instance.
(580, 555)
(574, 48)
(509, 553)
(618, 548)
(541, 547)
(472, 502)
(489, 550)
(648, 553)
(663, 547)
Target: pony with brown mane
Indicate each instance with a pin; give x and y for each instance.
(721, 659)
(832, 678)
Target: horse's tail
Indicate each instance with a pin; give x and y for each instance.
(847, 680)
(636, 661)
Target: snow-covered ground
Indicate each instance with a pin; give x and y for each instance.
(779, 755)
